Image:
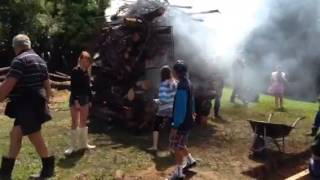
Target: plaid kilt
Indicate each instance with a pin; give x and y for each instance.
(178, 141)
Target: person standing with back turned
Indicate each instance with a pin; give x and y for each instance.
(167, 92)
(183, 121)
(28, 87)
(277, 87)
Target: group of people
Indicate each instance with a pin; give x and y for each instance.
(176, 107)
(27, 86)
(278, 81)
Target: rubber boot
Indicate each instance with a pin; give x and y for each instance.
(155, 136)
(7, 165)
(313, 132)
(47, 171)
(83, 139)
(74, 136)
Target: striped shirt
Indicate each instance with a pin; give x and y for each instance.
(30, 70)
(167, 92)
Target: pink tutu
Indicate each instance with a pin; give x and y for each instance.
(277, 89)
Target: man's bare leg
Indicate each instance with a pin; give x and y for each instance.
(15, 142)
(39, 144)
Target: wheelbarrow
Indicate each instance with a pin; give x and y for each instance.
(276, 132)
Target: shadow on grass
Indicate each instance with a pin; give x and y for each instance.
(122, 138)
(278, 165)
(70, 161)
(190, 174)
(220, 120)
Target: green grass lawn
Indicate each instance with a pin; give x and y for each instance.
(222, 146)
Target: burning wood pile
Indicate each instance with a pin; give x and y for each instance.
(131, 47)
(129, 52)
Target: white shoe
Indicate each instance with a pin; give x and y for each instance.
(74, 136)
(83, 139)
(189, 165)
(177, 176)
(152, 149)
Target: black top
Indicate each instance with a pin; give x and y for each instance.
(80, 83)
(30, 70)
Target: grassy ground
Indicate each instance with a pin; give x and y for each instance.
(222, 147)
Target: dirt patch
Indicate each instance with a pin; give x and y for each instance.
(152, 173)
(58, 101)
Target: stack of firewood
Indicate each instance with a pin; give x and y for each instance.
(129, 52)
(58, 80)
(129, 49)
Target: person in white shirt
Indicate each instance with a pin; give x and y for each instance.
(277, 86)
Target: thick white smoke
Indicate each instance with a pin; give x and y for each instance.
(290, 37)
(264, 33)
(222, 35)
(219, 35)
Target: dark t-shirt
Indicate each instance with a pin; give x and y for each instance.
(30, 70)
(80, 83)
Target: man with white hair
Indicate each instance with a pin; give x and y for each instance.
(28, 88)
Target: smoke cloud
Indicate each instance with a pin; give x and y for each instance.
(288, 36)
(263, 33)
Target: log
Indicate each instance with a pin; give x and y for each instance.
(4, 70)
(2, 78)
(181, 6)
(205, 12)
(301, 175)
(59, 78)
(60, 85)
(62, 74)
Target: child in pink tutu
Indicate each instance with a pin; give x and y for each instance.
(277, 87)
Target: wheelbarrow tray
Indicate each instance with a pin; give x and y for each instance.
(270, 129)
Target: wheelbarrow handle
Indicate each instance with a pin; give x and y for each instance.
(297, 120)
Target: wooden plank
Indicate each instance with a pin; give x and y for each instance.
(60, 85)
(4, 70)
(301, 175)
(57, 77)
(62, 74)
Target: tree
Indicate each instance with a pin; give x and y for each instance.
(61, 27)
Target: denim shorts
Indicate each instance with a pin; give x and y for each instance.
(83, 100)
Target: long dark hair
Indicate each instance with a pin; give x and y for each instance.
(165, 73)
(180, 69)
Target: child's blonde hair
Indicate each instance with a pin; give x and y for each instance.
(84, 54)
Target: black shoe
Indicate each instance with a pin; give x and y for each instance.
(176, 177)
(313, 132)
(6, 168)
(47, 171)
(217, 117)
(189, 166)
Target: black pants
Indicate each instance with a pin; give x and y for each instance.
(160, 122)
(217, 105)
(235, 91)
